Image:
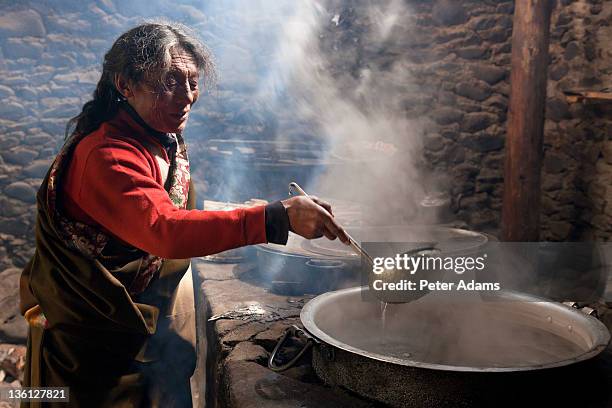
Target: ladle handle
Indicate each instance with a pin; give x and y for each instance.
(356, 247)
(295, 186)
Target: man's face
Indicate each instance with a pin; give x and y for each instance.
(166, 109)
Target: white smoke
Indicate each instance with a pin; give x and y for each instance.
(360, 116)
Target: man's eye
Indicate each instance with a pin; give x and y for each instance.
(193, 84)
(171, 81)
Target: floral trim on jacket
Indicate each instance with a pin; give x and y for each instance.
(89, 240)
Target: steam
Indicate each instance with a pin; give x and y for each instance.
(296, 67)
(459, 331)
(358, 116)
(326, 74)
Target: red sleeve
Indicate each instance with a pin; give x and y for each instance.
(119, 191)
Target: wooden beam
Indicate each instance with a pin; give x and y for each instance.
(588, 96)
(523, 150)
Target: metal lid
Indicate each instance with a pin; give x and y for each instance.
(447, 240)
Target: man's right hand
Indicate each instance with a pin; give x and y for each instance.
(312, 218)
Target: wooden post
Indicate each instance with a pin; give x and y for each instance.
(529, 63)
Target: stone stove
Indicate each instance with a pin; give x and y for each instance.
(248, 321)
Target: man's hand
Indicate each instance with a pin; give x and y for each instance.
(312, 218)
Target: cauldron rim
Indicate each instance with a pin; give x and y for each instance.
(598, 331)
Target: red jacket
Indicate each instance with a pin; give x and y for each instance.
(114, 182)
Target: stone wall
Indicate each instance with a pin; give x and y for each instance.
(457, 52)
(48, 69)
(577, 172)
(467, 71)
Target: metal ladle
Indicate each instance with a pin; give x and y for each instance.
(294, 187)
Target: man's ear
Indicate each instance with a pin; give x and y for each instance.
(123, 86)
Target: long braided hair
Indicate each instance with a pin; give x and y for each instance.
(141, 54)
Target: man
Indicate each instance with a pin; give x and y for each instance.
(116, 227)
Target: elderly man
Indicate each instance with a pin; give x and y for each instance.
(116, 228)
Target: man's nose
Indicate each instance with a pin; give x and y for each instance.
(186, 95)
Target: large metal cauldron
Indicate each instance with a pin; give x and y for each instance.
(445, 351)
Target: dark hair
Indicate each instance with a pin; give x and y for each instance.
(141, 54)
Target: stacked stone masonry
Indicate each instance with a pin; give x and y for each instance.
(459, 56)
